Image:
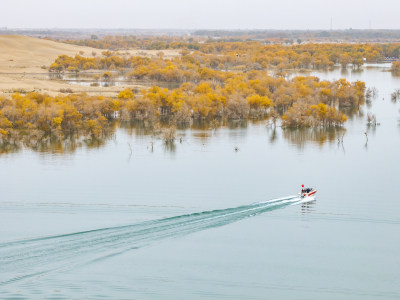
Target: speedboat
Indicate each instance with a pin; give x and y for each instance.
(307, 192)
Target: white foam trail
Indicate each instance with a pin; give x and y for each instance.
(276, 200)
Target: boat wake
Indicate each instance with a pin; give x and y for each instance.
(33, 257)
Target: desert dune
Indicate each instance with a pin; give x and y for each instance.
(23, 63)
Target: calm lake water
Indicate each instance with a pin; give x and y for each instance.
(192, 222)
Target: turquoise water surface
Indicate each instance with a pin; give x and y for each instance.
(196, 220)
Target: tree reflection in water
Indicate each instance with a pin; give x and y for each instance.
(301, 136)
(54, 144)
(202, 131)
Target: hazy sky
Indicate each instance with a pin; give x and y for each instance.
(208, 14)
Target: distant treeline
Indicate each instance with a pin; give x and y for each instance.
(258, 53)
(371, 34)
(218, 61)
(203, 44)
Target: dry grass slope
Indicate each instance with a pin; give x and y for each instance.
(26, 54)
(22, 58)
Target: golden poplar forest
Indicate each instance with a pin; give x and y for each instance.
(217, 80)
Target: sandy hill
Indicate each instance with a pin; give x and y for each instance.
(22, 58)
(27, 54)
(21, 61)
(19, 54)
